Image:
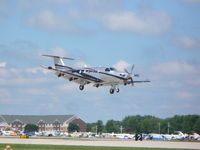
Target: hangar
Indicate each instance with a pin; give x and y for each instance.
(45, 123)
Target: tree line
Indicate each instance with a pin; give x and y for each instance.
(148, 124)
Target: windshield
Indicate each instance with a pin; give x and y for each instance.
(112, 69)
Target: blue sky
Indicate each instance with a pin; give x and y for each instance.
(162, 39)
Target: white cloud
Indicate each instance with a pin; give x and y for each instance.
(32, 4)
(5, 95)
(175, 68)
(110, 14)
(4, 8)
(192, 1)
(148, 22)
(71, 86)
(9, 72)
(50, 20)
(82, 64)
(3, 64)
(195, 82)
(60, 1)
(121, 65)
(58, 51)
(184, 95)
(188, 42)
(35, 91)
(36, 70)
(22, 81)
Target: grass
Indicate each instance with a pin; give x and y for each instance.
(60, 147)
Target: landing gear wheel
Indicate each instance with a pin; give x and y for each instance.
(81, 87)
(112, 91)
(59, 75)
(117, 90)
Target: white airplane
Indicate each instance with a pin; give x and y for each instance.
(98, 76)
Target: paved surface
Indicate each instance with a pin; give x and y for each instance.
(105, 142)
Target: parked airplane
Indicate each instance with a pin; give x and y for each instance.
(98, 76)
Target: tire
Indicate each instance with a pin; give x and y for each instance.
(112, 91)
(81, 87)
(117, 90)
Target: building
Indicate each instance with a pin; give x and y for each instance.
(45, 123)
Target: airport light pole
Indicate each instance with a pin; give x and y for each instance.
(96, 129)
(121, 129)
(159, 127)
(168, 126)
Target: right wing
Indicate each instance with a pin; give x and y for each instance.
(132, 82)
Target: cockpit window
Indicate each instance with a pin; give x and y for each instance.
(112, 69)
(107, 69)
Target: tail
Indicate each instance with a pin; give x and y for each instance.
(58, 61)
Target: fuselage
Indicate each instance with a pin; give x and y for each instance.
(104, 75)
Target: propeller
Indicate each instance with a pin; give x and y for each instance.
(130, 74)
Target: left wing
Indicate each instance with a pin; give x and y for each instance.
(74, 75)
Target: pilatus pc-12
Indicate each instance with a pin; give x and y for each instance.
(98, 76)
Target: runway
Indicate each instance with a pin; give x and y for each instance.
(104, 142)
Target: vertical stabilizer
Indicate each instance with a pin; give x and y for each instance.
(58, 61)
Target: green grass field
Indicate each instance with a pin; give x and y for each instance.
(60, 147)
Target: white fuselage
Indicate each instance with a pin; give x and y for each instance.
(108, 76)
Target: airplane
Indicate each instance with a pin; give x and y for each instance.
(98, 76)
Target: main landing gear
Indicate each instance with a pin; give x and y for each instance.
(114, 89)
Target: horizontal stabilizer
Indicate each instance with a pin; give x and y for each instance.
(44, 67)
(51, 56)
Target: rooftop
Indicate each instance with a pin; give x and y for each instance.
(36, 118)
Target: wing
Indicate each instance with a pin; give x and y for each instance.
(74, 75)
(132, 82)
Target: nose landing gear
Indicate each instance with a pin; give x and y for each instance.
(81, 87)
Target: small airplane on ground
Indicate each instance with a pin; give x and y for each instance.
(98, 76)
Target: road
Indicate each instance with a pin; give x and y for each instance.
(104, 142)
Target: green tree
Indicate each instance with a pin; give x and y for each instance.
(197, 126)
(132, 124)
(150, 124)
(100, 126)
(91, 127)
(31, 128)
(112, 126)
(73, 127)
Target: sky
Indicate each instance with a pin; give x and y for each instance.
(161, 38)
